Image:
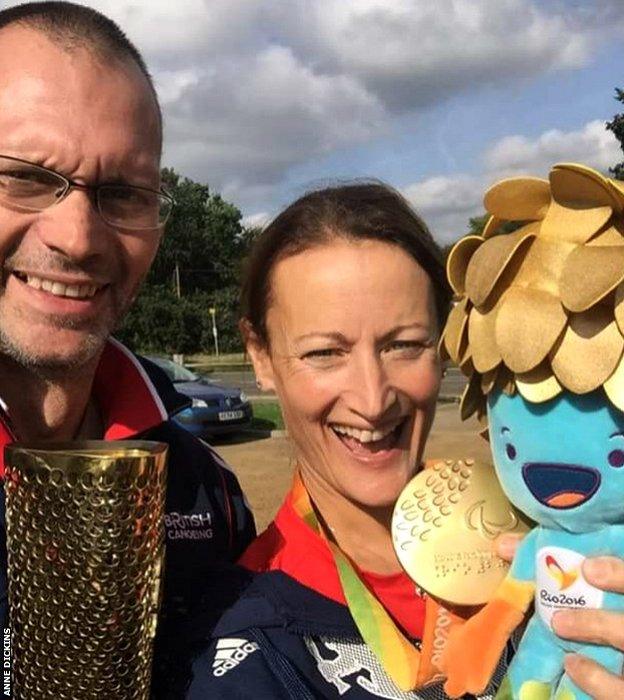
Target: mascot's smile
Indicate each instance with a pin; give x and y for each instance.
(560, 486)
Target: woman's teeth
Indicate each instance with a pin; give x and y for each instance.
(58, 289)
(365, 436)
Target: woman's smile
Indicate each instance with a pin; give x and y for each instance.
(373, 445)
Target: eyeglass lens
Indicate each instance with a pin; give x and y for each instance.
(32, 188)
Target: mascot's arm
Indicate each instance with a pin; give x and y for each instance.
(474, 649)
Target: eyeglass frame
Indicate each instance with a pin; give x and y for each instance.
(70, 185)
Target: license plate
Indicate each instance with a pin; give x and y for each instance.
(230, 415)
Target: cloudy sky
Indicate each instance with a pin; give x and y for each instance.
(266, 98)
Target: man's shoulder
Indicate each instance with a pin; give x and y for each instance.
(207, 526)
(207, 519)
(183, 444)
(172, 399)
(194, 466)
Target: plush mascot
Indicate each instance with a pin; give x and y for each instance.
(539, 331)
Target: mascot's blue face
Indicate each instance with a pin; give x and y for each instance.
(562, 461)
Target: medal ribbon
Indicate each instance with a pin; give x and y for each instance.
(406, 666)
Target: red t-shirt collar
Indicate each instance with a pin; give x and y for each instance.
(291, 546)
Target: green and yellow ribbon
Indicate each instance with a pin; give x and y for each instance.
(397, 655)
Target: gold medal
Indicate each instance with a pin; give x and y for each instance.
(443, 528)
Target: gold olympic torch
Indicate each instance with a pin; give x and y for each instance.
(85, 540)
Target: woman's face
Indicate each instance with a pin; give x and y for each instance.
(352, 357)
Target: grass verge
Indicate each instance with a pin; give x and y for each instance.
(267, 416)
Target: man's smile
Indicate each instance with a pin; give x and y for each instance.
(84, 290)
(57, 299)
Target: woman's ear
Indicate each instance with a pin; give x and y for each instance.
(258, 351)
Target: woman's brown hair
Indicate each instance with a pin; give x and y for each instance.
(353, 211)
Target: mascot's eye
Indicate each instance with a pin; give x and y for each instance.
(616, 458)
(511, 451)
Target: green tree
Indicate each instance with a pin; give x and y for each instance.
(159, 322)
(476, 224)
(205, 240)
(616, 125)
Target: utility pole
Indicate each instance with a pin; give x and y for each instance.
(215, 334)
(176, 277)
(177, 357)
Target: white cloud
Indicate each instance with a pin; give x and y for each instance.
(431, 196)
(172, 84)
(258, 220)
(446, 203)
(252, 89)
(176, 32)
(592, 144)
(245, 124)
(412, 53)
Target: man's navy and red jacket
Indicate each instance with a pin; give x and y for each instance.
(208, 524)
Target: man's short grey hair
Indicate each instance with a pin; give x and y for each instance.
(73, 26)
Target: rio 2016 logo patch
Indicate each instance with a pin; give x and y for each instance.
(563, 578)
(560, 583)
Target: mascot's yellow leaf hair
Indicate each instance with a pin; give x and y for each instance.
(541, 309)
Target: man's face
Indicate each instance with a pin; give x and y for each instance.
(67, 276)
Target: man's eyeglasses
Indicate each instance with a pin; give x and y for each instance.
(30, 187)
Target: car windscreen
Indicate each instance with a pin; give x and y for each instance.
(176, 372)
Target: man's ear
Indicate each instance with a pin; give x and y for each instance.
(258, 351)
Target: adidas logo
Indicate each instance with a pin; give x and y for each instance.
(230, 652)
